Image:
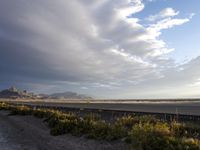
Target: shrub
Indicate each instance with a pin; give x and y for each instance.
(21, 110)
(117, 132)
(4, 106)
(100, 130)
(158, 137)
(190, 130)
(41, 113)
(127, 121)
(62, 127)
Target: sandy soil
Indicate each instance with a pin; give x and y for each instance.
(30, 133)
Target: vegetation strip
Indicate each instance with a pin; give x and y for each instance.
(141, 132)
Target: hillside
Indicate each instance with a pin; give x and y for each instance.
(16, 93)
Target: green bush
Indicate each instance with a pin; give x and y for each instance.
(127, 121)
(99, 130)
(62, 127)
(117, 132)
(4, 106)
(190, 130)
(41, 113)
(159, 137)
(21, 110)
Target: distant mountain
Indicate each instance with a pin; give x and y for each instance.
(69, 95)
(14, 93)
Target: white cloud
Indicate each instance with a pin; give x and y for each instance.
(167, 12)
(131, 58)
(192, 15)
(168, 23)
(132, 7)
(154, 29)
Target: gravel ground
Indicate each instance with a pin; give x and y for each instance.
(30, 133)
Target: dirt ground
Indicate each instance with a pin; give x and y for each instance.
(30, 133)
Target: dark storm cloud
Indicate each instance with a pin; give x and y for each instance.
(20, 60)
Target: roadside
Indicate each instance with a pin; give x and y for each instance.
(30, 133)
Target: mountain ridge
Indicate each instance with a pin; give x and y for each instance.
(14, 93)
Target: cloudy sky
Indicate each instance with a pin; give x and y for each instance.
(104, 48)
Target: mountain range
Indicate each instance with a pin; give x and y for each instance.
(14, 93)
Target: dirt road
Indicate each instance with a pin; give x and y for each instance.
(30, 133)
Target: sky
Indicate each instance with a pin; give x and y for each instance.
(102, 48)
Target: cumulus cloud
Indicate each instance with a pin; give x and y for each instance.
(54, 45)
